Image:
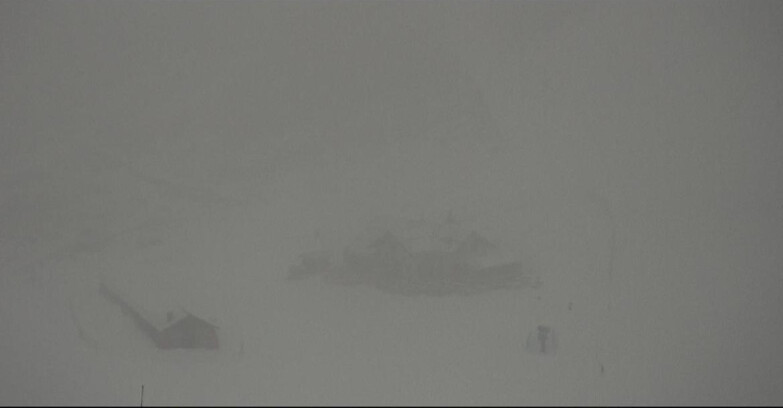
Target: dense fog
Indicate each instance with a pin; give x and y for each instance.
(184, 155)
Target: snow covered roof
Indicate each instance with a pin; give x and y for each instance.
(423, 235)
(159, 318)
(152, 300)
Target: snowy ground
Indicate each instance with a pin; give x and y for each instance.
(630, 152)
(659, 338)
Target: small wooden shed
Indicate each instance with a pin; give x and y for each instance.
(170, 329)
